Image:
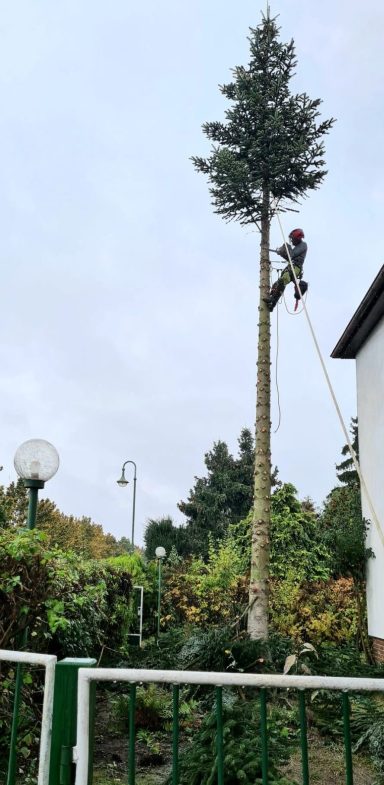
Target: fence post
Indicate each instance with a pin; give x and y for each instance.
(61, 769)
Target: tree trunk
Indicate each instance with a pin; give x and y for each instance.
(362, 631)
(259, 579)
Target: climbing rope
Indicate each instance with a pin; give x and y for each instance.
(291, 313)
(331, 390)
(276, 370)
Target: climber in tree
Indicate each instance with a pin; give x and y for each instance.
(297, 251)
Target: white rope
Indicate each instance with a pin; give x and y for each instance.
(292, 313)
(331, 390)
(277, 354)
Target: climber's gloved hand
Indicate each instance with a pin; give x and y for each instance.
(282, 251)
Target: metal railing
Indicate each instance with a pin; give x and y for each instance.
(217, 680)
(48, 661)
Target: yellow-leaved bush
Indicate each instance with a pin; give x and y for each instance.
(216, 593)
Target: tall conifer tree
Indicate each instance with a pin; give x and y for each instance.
(269, 152)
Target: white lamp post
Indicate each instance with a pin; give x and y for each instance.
(160, 553)
(36, 461)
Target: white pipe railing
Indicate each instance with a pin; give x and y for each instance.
(87, 675)
(48, 661)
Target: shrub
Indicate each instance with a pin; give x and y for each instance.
(27, 577)
(68, 605)
(96, 607)
(242, 747)
(153, 708)
(206, 593)
(315, 612)
(296, 539)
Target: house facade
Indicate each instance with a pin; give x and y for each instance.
(363, 341)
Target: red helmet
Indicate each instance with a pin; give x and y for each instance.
(296, 234)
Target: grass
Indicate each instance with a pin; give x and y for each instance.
(153, 776)
(327, 767)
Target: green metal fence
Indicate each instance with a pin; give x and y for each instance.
(264, 684)
(69, 699)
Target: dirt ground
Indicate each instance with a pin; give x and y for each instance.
(326, 767)
(326, 760)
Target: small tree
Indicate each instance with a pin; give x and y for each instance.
(345, 532)
(162, 531)
(345, 470)
(223, 496)
(269, 152)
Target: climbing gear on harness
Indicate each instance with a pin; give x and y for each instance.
(295, 257)
(303, 286)
(278, 287)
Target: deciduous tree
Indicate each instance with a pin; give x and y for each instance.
(64, 531)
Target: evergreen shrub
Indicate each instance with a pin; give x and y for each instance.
(242, 746)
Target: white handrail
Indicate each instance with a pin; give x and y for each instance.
(49, 663)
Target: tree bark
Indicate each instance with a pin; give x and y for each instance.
(259, 578)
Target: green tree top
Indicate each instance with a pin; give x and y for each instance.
(223, 496)
(271, 145)
(345, 470)
(163, 531)
(297, 542)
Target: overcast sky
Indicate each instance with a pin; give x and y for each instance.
(128, 309)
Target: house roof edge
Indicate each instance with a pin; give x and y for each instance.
(363, 321)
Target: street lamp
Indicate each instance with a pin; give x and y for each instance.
(160, 554)
(36, 461)
(123, 482)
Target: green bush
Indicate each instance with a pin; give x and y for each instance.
(27, 578)
(344, 660)
(28, 735)
(260, 656)
(96, 607)
(69, 606)
(296, 539)
(367, 724)
(154, 654)
(242, 746)
(315, 612)
(153, 708)
(206, 593)
(367, 712)
(143, 573)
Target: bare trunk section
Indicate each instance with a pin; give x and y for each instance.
(259, 578)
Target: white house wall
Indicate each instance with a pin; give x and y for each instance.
(370, 411)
